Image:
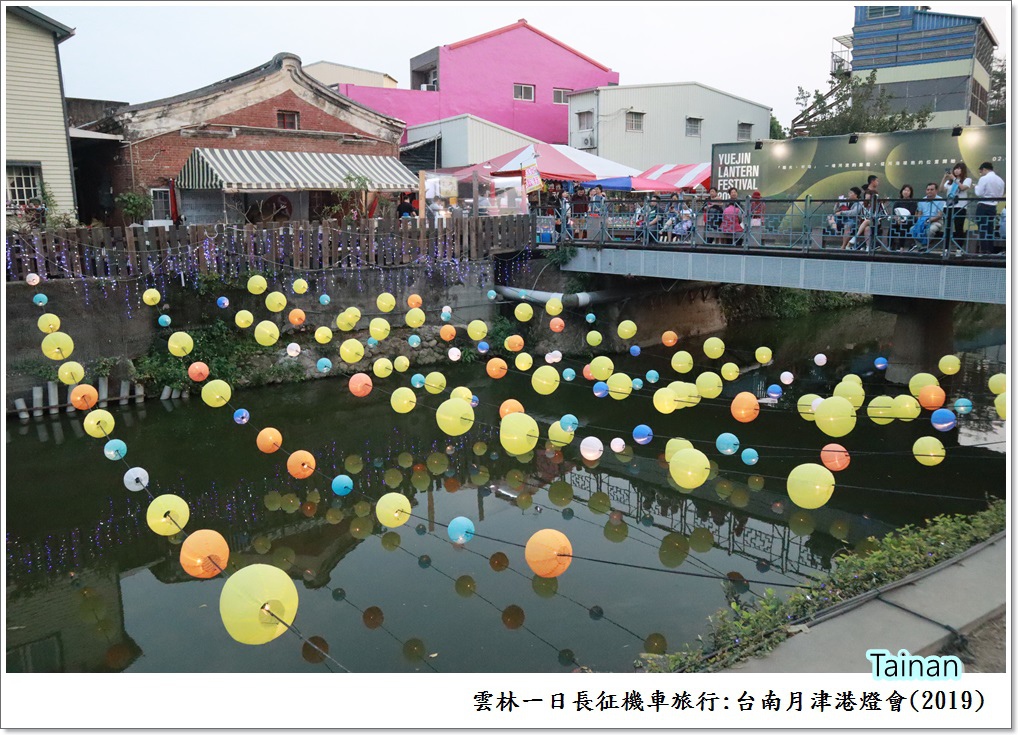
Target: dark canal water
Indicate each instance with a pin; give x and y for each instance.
(91, 588)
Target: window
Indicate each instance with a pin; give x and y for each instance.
(559, 96)
(160, 203)
(23, 185)
(882, 11)
(523, 92)
(693, 125)
(45, 655)
(745, 131)
(585, 120)
(287, 120)
(634, 122)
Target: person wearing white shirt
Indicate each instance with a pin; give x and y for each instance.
(988, 189)
(956, 185)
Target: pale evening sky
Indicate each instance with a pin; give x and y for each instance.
(761, 51)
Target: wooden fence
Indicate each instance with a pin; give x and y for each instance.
(123, 253)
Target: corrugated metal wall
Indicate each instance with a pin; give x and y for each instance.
(467, 140)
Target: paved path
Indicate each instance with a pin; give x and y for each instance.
(960, 594)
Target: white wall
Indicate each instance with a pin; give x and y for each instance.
(467, 140)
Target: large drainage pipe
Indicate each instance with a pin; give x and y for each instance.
(569, 300)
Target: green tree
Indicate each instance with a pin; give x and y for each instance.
(998, 91)
(777, 132)
(855, 106)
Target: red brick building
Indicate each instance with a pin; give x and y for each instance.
(263, 117)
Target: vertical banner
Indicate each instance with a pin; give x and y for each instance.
(531, 178)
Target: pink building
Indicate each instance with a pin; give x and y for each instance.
(516, 76)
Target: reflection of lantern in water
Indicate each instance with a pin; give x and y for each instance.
(373, 617)
(513, 617)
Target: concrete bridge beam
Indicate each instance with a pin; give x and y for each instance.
(923, 333)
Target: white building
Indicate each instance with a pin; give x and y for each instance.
(464, 140)
(641, 125)
(330, 74)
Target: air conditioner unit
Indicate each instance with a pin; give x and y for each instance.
(429, 87)
(588, 141)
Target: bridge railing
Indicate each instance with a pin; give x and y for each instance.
(910, 228)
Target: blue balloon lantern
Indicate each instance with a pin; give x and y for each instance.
(324, 299)
(446, 316)
(637, 383)
(600, 389)
(222, 302)
(492, 295)
(163, 320)
(324, 365)
(750, 456)
(241, 416)
(569, 422)
(413, 340)
(642, 434)
(963, 406)
(569, 375)
(372, 341)
(40, 299)
(943, 419)
(460, 530)
(634, 350)
(774, 391)
(417, 381)
(483, 347)
(115, 449)
(342, 484)
(727, 443)
(590, 318)
(474, 401)
(653, 376)
(880, 363)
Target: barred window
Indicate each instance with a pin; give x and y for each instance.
(882, 11)
(24, 183)
(693, 125)
(745, 132)
(160, 203)
(585, 120)
(634, 122)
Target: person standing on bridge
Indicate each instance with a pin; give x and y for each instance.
(989, 189)
(956, 185)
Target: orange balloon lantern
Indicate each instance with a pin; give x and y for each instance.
(514, 343)
(414, 301)
(548, 553)
(745, 407)
(297, 317)
(447, 332)
(835, 457)
(84, 397)
(198, 371)
(510, 405)
(496, 368)
(587, 373)
(931, 397)
(360, 384)
(204, 554)
(556, 324)
(669, 338)
(301, 464)
(269, 440)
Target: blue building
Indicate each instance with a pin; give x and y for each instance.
(923, 58)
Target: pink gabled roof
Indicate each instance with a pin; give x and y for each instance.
(522, 23)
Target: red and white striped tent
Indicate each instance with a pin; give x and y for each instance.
(682, 176)
(553, 161)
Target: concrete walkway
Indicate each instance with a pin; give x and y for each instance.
(960, 594)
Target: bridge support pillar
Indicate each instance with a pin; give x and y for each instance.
(923, 333)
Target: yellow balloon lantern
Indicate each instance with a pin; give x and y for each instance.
(949, 364)
(919, 381)
(401, 363)
(620, 386)
(1000, 404)
(524, 361)
(355, 314)
(810, 485)
(346, 321)
(805, 406)
(379, 328)
(57, 346)
(763, 355)
(709, 385)
(729, 371)
(601, 367)
(243, 319)
(180, 344)
(415, 318)
(558, 436)
(852, 378)
(382, 367)
(351, 351)
(71, 372)
(686, 394)
(477, 330)
(461, 391)
(674, 445)
(524, 312)
(518, 433)
(455, 416)
(713, 348)
(393, 510)
(852, 392)
(323, 335)
(627, 329)
(665, 400)
(257, 285)
(300, 286)
(905, 408)
(545, 380)
(594, 338)
(266, 333)
(548, 553)
(997, 383)
(682, 362)
(689, 468)
(275, 301)
(928, 451)
(167, 515)
(434, 383)
(216, 393)
(835, 416)
(403, 400)
(99, 424)
(554, 306)
(151, 297)
(258, 604)
(881, 410)
(48, 323)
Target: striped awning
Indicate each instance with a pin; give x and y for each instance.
(240, 170)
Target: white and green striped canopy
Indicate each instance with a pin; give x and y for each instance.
(223, 168)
